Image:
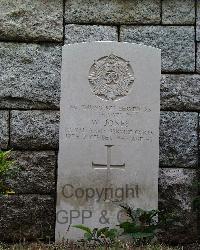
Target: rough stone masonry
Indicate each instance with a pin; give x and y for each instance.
(31, 36)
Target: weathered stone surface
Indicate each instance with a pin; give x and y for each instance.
(178, 11)
(87, 33)
(180, 92)
(198, 57)
(4, 130)
(26, 217)
(106, 11)
(28, 20)
(35, 172)
(176, 44)
(198, 22)
(178, 139)
(177, 192)
(30, 75)
(34, 129)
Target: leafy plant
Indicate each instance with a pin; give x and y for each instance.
(5, 171)
(144, 225)
(103, 236)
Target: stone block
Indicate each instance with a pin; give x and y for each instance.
(26, 217)
(198, 22)
(35, 172)
(178, 12)
(88, 33)
(4, 129)
(177, 193)
(34, 129)
(198, 58)
(176, 43)
(180, 92)
(112, 12)
(179, 139)
(26, 20)
(30, 75)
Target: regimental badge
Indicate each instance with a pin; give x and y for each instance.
(111, 77)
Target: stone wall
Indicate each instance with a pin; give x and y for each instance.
(31, 36)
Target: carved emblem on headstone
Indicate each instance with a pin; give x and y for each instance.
(111, 77)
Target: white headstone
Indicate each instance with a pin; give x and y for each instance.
(109, 133)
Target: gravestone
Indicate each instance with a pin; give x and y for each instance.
(109, 134)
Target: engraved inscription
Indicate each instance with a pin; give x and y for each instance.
(109, 123)
(111, 77)
(123, 135)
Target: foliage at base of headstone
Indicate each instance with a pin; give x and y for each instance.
(6, 171)
(103, 236)
(143, 225)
